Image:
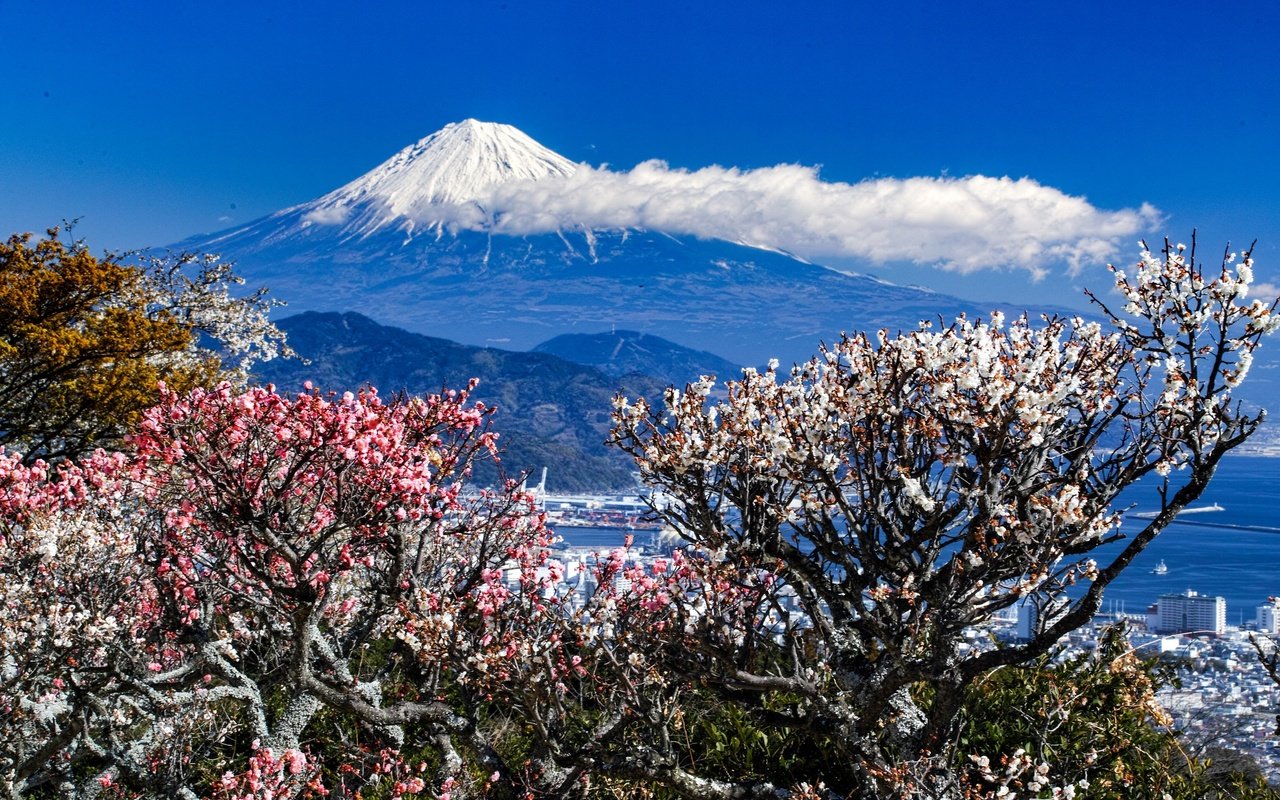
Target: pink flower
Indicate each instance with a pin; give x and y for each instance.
(295, 760)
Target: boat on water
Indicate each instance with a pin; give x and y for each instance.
(1160, 569)
(1184, 512)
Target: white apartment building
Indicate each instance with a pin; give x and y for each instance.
(1268, 617)
(1190, 612)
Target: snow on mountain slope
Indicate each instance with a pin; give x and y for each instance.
(439, 180)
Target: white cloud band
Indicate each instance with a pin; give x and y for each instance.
(963, 224)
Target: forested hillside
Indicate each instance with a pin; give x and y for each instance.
(552, 412)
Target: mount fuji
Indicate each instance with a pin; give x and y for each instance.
(419, 243)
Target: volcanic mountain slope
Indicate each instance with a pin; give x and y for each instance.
(551, 412)
(621, 353)
(415, 244)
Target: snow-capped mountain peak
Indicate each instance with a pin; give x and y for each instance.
(440, 179)
(424, 241)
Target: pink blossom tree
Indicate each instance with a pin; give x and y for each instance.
(292, 591)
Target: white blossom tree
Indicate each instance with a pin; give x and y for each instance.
(854, 519)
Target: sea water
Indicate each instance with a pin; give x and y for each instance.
(1240, 565)
(1202, 555)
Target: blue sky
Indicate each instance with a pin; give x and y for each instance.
(153, 121)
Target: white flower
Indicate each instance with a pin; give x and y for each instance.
(911, 488)
(48, 548)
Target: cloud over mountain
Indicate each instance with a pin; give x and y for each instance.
(963, 224)
(488, 176)
(701, 257)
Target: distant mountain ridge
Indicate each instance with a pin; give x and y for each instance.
(620, 353)
(551, 412)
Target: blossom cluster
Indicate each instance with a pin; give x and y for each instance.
(197, 290)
